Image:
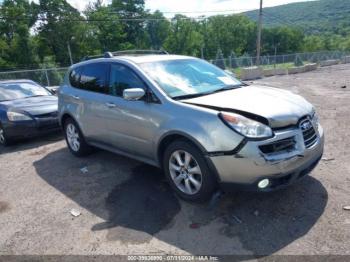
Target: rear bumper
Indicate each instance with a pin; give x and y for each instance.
(249, 166)
(28, 129)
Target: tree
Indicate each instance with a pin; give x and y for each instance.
(285, 39)
(158, 29)
(184, 37)
(313, 43)
(105, 30)
(60, 24)
(17, 45)
(228, 33)
(133, 12)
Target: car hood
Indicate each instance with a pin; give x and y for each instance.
(35, 105)
(281, 108)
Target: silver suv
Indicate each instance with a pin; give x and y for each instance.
(202, 126)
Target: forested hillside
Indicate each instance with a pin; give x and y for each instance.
(314, 17)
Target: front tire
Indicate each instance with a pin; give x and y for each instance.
(75, 139)
(187, 172)
(4, 141)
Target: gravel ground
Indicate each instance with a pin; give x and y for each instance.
(127, 207)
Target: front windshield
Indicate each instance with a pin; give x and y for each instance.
(14, 91)
(186, 77)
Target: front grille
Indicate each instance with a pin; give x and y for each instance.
(284, 145)
(309, 133)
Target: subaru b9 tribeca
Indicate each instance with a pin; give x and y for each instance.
(203, 127)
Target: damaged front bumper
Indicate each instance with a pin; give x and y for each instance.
(257, 160)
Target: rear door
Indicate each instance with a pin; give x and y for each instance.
(94, 93)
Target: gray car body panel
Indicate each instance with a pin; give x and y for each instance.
(137, 128)
(281, 108)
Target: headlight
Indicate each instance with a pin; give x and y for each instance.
(15, 116)
(315, 120)
(246, 126)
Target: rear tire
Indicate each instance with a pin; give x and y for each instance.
(75, 139)
(187, 172)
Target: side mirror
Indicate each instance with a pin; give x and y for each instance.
(133, 94)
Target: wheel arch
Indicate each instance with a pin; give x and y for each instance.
(64, 118)
(170, 137)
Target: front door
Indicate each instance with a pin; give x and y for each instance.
(130, 124)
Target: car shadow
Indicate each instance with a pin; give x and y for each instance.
(30, 143)
(137, 204)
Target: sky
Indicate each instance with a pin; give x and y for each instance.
(201, 7)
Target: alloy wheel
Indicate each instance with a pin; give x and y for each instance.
(185, 172)
(73, 137)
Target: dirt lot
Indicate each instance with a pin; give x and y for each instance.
(127, 208)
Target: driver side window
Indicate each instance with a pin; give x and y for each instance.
(122, 78)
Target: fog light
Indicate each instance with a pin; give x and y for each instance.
(264, 183)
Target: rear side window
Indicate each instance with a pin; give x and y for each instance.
(74, 77)
(94, 78)
(122, 78)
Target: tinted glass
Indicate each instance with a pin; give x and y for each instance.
(74, 77)
(122, 78)
(188, 76)
(16, 91)
(94, 78)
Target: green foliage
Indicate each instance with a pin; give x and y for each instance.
(284, 39)
(17, 47)
(228, 33)
(34, 34)
(158, 30)
(314, 16)
(134, 29)
(105, 31)
(183, 37)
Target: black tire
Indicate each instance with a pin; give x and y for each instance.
(208, 180)
(4, 140)
(84, 149)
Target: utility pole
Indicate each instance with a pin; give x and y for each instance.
(258, 42)
(70, 53)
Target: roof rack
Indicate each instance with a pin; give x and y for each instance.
(127, 52)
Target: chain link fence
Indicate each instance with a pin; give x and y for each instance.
(54, 76)
(45, 77)
(275, 60)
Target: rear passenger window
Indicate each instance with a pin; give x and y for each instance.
(74, 77)
(122, 78)
(94, 78)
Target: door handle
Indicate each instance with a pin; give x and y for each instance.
(75, 97)
(111, 105)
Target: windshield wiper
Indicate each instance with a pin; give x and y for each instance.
(206, 93)
(36, 96)
(225, 89)
(189, 96)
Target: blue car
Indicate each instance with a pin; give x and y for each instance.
(26, 110)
